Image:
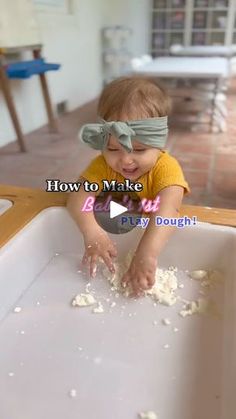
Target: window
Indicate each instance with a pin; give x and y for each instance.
(58, 6)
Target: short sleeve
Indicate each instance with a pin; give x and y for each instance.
(168, 172)
(96, 171)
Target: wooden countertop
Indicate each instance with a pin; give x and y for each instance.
(29, 202)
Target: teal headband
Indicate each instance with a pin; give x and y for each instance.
(150, 131)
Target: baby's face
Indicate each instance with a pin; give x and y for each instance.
(130, 165)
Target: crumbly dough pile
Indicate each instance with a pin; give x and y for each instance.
(163, 290)
(208, 279)
(83, 300)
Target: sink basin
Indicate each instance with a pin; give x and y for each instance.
(5, 204)
(122, 361)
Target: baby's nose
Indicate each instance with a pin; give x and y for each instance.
(127, 158)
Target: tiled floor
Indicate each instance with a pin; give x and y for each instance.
(208, 160)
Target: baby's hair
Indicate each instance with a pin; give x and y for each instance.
(133, 98)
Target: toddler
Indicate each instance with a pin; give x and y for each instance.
(131, 136)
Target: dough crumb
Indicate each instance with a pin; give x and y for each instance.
(83, 300)
(166, 322)
(200, 306)
(73, 393)
(173, 268)
(155, 322)
(176, 329)
(166, 346)
(198, 274)
(113, 304)
(87, 288)
(148, 415)
(99, 308)
(17, 309)
(11, 374)
(212, 279)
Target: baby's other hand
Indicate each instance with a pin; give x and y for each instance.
(141, 273)
(97, 244)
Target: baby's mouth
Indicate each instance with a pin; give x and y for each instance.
(129, 171)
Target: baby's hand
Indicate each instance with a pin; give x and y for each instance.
(97, 244)
(141, 273)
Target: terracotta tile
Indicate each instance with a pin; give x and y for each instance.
(192, 147)
(71, 169)
(193, 161)
(196, 197)
(190, 137)
(225, 162)
(196, 178)
(224, 185)
(27, 164)
(226, 149)
(23, 180)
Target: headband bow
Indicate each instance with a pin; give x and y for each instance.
(150, 131)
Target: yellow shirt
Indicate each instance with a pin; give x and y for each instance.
(165, 172)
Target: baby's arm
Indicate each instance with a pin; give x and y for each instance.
(142, 270)
(96, 241)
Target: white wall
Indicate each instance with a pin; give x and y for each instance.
(74, 41)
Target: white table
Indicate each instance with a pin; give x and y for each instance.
(204, 50)
(182, 67)
(198, 72)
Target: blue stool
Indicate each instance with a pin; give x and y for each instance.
(24, 70)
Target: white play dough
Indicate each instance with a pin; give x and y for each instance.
(166, 322)
(200, 306)
(148, 415)
(17, 309)
(83, 300)
(98, 309)
(198, 274)
(73, 393)
(163, 290)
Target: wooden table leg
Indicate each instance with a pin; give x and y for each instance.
(51, 119)
(5, 85)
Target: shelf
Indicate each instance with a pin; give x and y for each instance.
(195, 25)
(160, 50)
(207, 30)
(179, 9)
(194, 9)
(210, 9)
(167, 30)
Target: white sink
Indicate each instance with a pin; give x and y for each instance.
(116, 361)
(5, 204)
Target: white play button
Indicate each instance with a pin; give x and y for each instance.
(116, 209)
(109, 209)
